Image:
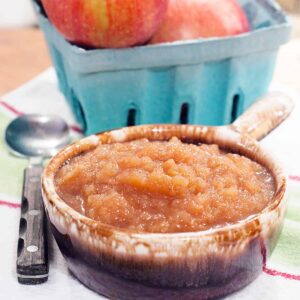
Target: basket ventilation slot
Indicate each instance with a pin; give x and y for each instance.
(235, 107)
(184, 113)
(131, 117)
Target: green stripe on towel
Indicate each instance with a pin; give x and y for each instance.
(11, 174)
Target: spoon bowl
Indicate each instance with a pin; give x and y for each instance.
(37, 135)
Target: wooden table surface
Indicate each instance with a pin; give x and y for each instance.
(23, 55)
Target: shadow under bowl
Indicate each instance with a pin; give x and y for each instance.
(123, 264)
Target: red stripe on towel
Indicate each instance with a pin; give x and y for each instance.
(10, 204)
(76, 128)
(273, 272)
(11, 108)
(294, 178)
(281, 274)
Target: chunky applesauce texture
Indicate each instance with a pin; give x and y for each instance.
(164, 186)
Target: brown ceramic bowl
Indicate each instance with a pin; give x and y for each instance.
(124, 264)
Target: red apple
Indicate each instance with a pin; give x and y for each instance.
(192, 19)
(106, 23)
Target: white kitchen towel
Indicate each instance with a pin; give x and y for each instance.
(280, 278)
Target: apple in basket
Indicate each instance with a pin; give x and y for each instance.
(192, 19)
(106, 23)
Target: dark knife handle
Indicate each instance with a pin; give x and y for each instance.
(32, 256)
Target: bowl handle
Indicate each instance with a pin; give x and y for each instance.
(264, 115)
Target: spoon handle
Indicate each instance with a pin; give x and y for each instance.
(32, 259)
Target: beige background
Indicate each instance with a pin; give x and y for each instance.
(290, 5)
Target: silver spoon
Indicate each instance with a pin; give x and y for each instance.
(35, 137)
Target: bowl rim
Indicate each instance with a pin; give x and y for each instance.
(224, 134)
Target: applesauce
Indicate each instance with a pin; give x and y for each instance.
(164, 186)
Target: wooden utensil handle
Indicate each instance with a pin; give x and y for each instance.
(264, 115)
(32, 259)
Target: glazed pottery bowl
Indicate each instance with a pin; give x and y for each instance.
(123, 264)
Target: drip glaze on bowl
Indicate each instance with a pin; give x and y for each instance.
(122, 263)
(164, 186)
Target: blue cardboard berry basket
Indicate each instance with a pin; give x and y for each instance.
(203, 81)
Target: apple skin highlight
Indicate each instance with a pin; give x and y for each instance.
(192, 19)
(106, 23)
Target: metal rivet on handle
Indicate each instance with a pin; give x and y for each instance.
(32, 248)
(34, 179)
(33, 212)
